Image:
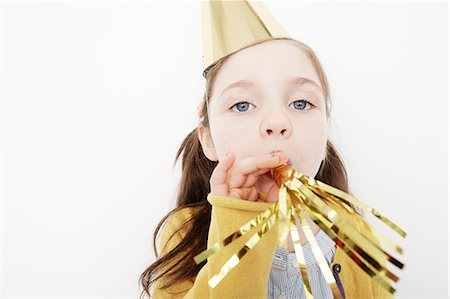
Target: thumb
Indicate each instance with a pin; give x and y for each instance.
(272, 196)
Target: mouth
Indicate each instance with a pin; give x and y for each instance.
(269, 176)
(280, 151)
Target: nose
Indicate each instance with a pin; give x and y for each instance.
(275, 123)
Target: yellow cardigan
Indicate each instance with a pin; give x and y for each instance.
(249, 278)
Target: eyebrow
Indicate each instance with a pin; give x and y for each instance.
(248, 84)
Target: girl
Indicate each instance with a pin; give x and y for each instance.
(265, 104)
(279, 117)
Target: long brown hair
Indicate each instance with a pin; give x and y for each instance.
(194, 187)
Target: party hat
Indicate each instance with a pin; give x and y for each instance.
(229, 26)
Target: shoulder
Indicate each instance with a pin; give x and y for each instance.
(179, 217)
(174, 229)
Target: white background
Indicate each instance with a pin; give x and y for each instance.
(97, 97)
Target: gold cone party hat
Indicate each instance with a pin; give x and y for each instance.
(229, 26)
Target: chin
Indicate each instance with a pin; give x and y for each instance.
(307, 173)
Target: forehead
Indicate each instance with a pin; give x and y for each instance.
(275, 63)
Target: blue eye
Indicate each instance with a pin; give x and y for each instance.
(241, 106)
(301, 104)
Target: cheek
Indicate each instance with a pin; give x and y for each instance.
(230, 136)
(316, 137)
(312, 142)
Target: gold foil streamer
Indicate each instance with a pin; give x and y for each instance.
(283, 215)
(234, 260)
(342, 241)
(325, 205)
(341, 204)
(315, 184)
(300, 256)
(347, 238)
(253, 223)
(317, 252)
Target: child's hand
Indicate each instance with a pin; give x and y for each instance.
(238, 179)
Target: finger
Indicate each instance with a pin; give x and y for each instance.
(259, 165)
(237, 193)
(272, 196)
(253, 194)
(244, 193)
(252, 178)
(219, 176)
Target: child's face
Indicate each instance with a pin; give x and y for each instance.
(275, 117)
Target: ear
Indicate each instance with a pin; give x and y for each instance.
(204, 136)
